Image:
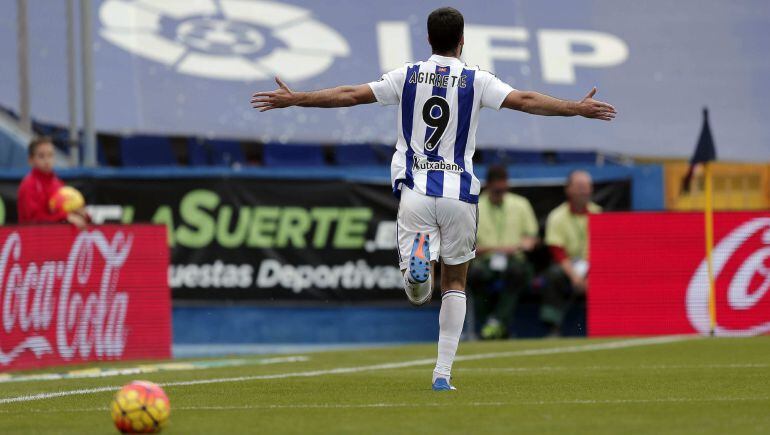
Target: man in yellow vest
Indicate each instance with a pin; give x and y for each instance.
(507, 228)
(566, 234)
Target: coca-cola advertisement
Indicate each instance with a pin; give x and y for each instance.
(649, 274)
(69, 296)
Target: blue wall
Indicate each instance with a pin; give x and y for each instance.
(307, 325)
(292, 325)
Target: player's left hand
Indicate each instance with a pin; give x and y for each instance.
(279, 98)
(590, 108)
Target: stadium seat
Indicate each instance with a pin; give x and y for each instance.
(226, 152)
(147, 151)
(198, 153)
(356, 155)
(214, 152)
(384, 152)
(292, 155)
(100, 155)
(13, 152)
(108, 149)
(576, 157)
(512, 157)
(363, 154)
(58, 134)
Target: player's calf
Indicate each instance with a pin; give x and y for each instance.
(451, 319)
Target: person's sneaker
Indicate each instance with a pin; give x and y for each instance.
(492, 329)
(442, 384)
(419, 261)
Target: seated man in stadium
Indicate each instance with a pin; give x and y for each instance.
(507, 228)
(39, 185)
(566, 234)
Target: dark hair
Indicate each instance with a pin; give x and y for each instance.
(445, 29)
(497, 173)
(36, 142)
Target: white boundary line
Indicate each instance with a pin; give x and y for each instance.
(434, 404)
(607, 368)
(90, 373)
(481, 404)
(621, 344)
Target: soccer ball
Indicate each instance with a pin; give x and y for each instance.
(67, 199)
(140, 407)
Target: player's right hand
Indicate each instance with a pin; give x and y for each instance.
(279, 98)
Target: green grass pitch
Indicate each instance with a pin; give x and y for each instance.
(628, 386)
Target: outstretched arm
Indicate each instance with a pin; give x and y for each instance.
(540, 104)
(341, 96)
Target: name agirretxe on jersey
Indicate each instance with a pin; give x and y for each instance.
(423, 164)
(438, 80)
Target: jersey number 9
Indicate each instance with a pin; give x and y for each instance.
(438, 123)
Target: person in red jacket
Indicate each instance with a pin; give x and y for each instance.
(37, 187)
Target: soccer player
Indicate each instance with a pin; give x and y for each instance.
(37, 187)
(432, 171)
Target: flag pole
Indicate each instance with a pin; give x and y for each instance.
(709, 221)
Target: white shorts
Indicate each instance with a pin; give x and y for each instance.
(450, 223)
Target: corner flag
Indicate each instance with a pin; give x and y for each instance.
(704, 151)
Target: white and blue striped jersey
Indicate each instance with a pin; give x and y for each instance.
(439, 102)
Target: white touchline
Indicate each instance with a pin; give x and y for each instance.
(432, 405)
(620, 344)
(524, 402)
(606, 367)
(150, 368)
(461, 404)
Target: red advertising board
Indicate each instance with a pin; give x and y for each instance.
(69, 296)
(649, 276)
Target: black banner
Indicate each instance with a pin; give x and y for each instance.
(275, 239)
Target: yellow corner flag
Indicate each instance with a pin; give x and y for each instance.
(705, 153)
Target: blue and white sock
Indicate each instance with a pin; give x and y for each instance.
(451, 319)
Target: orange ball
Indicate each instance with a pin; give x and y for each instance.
(66, 199)
(140, 407)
